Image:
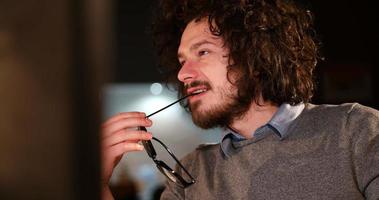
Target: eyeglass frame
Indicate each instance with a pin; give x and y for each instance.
(161, 165)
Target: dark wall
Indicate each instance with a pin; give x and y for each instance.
(53, 62)
(348, 74)
(135, 62)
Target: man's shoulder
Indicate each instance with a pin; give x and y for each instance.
(345, 108)
(360, 109)
(350, 116)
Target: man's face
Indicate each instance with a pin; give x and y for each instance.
(204, 62)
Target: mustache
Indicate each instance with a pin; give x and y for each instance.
(195, 84)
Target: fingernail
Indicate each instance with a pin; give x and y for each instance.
(139, 147)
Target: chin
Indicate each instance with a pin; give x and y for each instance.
(205, 117)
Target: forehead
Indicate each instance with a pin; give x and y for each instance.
(197, 31)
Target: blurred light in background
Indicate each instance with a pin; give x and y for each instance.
(156, 88)
(173, 126)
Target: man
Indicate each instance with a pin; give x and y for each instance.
(252, 64)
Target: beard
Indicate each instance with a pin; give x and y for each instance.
(231, 106)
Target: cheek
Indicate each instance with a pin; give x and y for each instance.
(220, 81)
(215, 71)
(221, 73)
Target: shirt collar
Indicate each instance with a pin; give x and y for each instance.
(279, 123)
(284, 117)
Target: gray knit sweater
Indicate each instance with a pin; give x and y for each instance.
(331, 152)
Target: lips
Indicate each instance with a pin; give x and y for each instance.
(196, 90)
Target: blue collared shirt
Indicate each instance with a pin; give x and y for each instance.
(279, 124)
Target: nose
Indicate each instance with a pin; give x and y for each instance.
(188, 72)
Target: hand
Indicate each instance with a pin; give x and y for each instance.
(119, 136)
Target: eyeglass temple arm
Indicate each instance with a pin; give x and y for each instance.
(148, 146)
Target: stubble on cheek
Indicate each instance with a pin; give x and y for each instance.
(216, 112)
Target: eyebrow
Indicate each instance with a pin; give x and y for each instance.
(197, 45)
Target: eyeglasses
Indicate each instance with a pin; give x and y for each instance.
(171, 174)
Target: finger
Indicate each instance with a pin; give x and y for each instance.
(127, 135)
(126, 124)
(123, 115)
(121, 148)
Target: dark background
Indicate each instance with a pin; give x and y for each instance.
(348, 74)
(55, 57)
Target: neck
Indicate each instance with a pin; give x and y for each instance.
(255, 117)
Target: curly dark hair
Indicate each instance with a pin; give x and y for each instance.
(272, 44)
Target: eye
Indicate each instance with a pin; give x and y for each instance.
(181, 62)
(203, 52)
